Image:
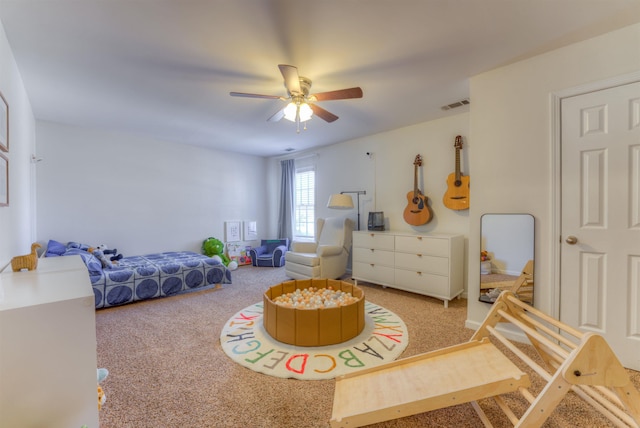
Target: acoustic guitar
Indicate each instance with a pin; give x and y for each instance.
(417, 211)
(457, 195)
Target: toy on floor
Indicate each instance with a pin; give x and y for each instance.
(115, 256)
(102, 397)
(27, 261)
(214, 248)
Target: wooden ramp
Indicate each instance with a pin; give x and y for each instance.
(477, 370)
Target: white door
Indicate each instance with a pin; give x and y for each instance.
(600, 247)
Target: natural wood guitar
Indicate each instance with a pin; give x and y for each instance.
(457, 195)
(417, 211)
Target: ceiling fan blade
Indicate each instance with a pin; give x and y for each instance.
(340, 94)
(277, 116)
(243, 94)
(323, 114)
(291, 78)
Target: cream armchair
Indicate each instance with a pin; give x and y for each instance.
(327, 257)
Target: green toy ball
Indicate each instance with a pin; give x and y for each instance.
(214, 247)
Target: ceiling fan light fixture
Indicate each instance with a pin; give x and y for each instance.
(305, 112)
(299, 108)
(291, 111)
(297, 112)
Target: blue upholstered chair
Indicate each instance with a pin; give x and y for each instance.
(270, 253)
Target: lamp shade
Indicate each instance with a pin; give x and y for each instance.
(340, 201)
(290, 112)
(296, 111)
(305, 112)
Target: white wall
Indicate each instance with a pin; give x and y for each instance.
(141, 195)
(17, 220)
(387, 175)
(512, 154)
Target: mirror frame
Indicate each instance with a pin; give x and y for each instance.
(527, 234)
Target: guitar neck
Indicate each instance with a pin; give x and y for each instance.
(415, 181)
(458, 174)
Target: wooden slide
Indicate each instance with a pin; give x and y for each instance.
(572, 361)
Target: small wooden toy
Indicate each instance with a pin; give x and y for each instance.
(28, 261)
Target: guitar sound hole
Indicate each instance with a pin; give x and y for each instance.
(458, 183)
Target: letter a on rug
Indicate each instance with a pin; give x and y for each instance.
(245, 341)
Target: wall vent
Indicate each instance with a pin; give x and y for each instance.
(460, 103)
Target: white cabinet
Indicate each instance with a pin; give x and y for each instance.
(373, 257)
(48, 346)
(432, 265)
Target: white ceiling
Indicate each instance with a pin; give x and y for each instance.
(164, 68)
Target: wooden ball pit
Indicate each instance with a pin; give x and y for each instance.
(313, 327)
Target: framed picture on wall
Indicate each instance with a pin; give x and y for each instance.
(250, 230)
(232, 231)
(4, 124)
(4, 181)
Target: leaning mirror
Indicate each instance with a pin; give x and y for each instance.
(506, 256)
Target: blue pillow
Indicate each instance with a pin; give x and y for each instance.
(55, 248)
(78, 245)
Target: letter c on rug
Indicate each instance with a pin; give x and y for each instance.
(333, 363)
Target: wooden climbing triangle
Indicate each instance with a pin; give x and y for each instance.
(572, 362)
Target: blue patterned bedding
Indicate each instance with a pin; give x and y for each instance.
(145, 277)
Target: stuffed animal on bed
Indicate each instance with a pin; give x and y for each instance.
(99, 254)
(115, 257)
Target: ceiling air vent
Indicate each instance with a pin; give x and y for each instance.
(460, 103)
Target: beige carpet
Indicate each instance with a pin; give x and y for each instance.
(167, 367)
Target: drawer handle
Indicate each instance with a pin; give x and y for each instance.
(372, 249)
(419, 238)
(371, 264)
(419, 273)
(372, 234)
(419, 255)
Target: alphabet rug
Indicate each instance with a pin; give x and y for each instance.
(246, 342)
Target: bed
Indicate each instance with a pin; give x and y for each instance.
(145, 277)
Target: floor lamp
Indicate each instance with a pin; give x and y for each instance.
(341, 201)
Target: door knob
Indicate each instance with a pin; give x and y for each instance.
(571, 240)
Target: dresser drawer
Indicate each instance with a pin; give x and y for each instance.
(378, 241)
(378, 274)
(423, 245)
(371, 255)
(424, 283)
(421, 263)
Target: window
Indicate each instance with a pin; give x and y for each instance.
(304, 204)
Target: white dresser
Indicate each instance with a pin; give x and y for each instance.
(48, 346)
(432, 265)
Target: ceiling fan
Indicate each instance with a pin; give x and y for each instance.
(301, 106)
